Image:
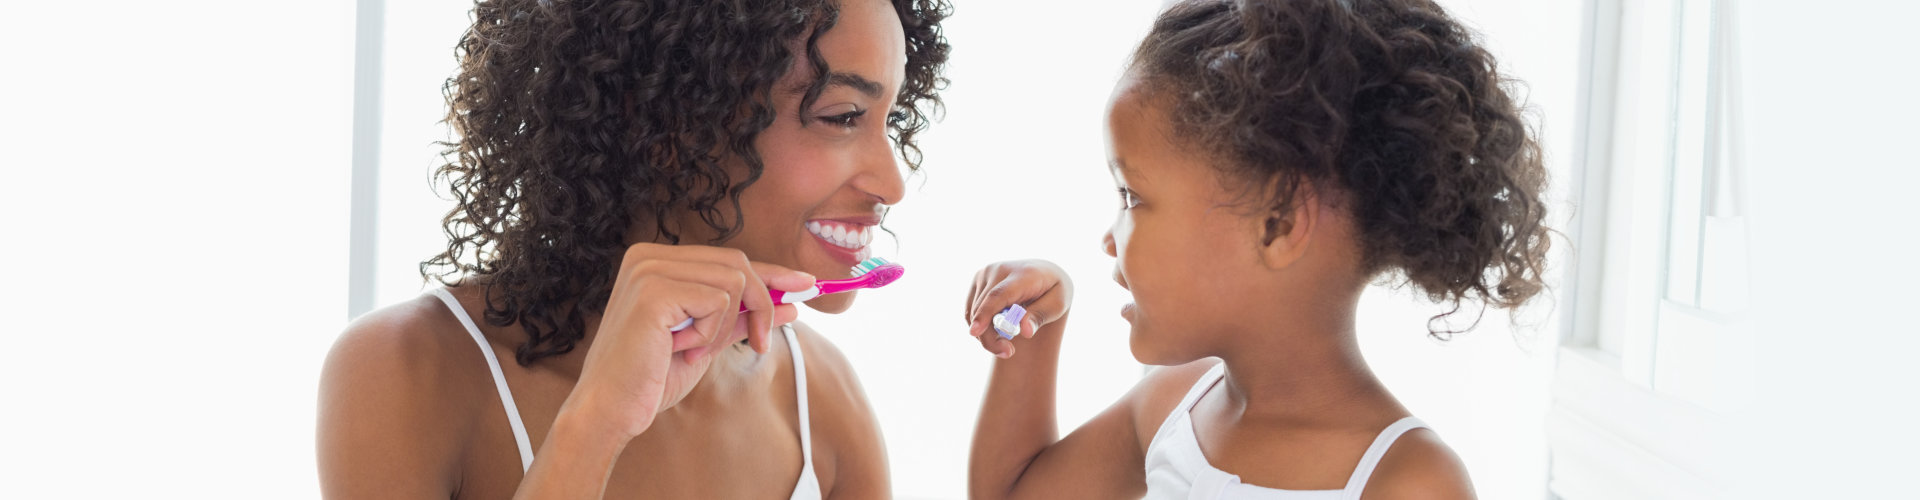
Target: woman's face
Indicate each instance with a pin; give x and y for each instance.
(830, 167)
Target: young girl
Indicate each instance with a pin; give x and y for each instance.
(1273, 157)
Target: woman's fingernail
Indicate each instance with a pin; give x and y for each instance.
(1004, 355)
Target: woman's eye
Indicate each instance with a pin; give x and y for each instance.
(1128, 199)
(845, 120)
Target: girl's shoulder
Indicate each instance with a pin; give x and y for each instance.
(1160, 392)
(1419, 465)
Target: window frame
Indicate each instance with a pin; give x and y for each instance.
(1635, 391)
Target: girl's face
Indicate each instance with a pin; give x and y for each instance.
(830, 167)
(1184, 250)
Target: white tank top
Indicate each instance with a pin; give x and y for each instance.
(1177, 470)
(806, 488)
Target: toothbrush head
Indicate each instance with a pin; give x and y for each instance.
(878, 272)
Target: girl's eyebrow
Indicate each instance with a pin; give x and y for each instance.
(1119, 166)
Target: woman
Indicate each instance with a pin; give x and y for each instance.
(620, 167)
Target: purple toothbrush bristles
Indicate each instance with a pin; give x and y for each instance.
(1007, 323)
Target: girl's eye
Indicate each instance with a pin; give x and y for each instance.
(1128, 199)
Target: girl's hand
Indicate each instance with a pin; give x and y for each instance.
(636, 367)
(1040, 287)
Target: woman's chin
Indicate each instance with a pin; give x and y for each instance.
(833, 304)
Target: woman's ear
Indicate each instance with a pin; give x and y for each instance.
(1288, 225)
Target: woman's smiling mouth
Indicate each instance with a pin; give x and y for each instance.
(846, 241)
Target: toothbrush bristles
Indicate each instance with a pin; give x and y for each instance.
(868, 265)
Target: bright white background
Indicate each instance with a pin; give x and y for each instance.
(175, 180)
(175, 186)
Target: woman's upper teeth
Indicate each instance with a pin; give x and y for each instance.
(842, 235)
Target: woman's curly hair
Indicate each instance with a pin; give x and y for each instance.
(574, 117)
(1390, 102)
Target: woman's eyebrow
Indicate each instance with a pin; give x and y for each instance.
(867, 87)
(857, 82)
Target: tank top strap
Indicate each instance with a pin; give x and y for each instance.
(1178, 416)
(808, 486)
(499, 378)
(1364, 471)
(800, 395)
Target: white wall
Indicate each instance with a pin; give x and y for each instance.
(1829, 117)
(174, 180)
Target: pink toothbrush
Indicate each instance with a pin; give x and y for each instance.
(871, 273)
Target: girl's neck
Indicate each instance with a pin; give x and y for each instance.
(1311, 369)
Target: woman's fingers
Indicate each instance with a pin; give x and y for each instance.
(762, 314)
(706, 304)
(709, 278)
(781, 278)
(728, 269)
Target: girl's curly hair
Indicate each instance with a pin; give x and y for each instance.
(1390, 102)
(574, 117)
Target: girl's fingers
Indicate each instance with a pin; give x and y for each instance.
(974, 326)
(1001, 348)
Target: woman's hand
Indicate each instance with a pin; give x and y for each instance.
(636, 367)
(1040, 287)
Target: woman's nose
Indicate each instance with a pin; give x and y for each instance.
(879, 171)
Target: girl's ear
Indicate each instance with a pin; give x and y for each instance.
(1289, 225)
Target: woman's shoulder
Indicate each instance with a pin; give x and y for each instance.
(850, 457)
(394, 396)
(413, 340)
(831, 380)
(409, 358)
(1419, 466)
